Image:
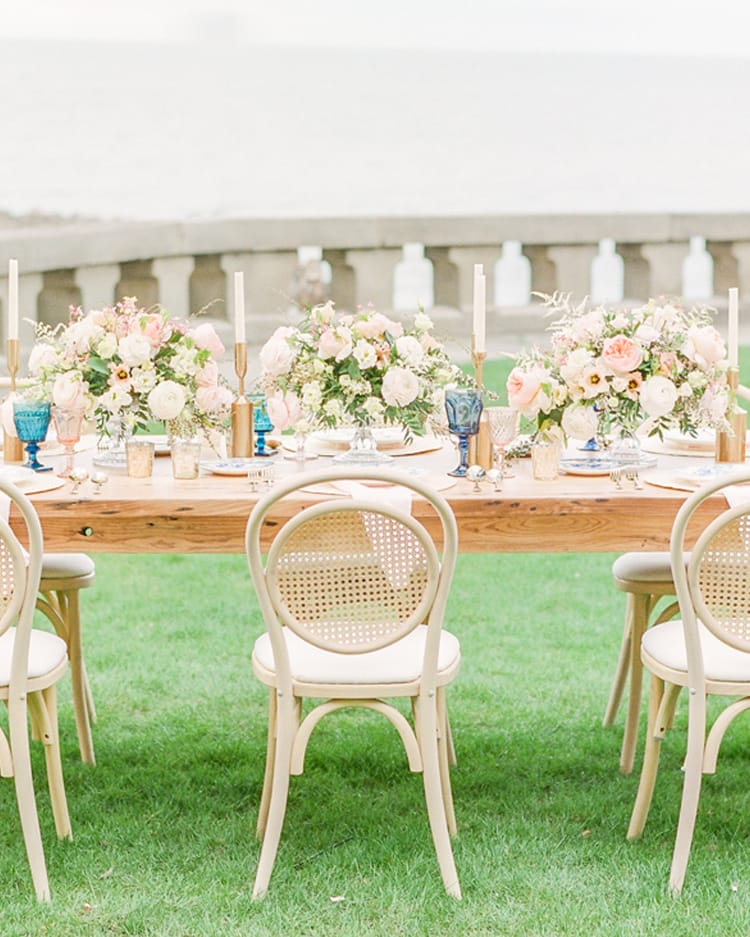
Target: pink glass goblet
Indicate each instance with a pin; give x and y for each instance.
(68, 428)
(504, 423)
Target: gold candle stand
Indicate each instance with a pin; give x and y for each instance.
(242, 409)
(730, 445)
(12, 445)
(480, 446)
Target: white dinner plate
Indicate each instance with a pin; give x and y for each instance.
(385, 436)
(599, 465)
(230, 466)
(17, 474)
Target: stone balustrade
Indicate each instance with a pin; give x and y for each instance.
(188, 266)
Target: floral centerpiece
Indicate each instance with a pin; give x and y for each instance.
(127, 366)
(617, 368)
(362, 370)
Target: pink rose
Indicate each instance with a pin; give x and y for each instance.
(213, 398)
(277, 355)
(704, 345)
(208, 375)
(525, 392)
(376, 325)
(335, 343)
(204, 336)
(284, 409)
(155, 330)
(69, 391)
(621, 354)
(400, 387)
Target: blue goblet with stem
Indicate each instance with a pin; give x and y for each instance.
(463, 406)
(32, 418)
(261, 424)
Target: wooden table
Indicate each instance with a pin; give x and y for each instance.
(208, 515)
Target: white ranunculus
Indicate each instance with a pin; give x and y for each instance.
(580, 422)
(277, 356)
(400, 387)
(658, 396)
(167, 400)
(134, 349)
(409, 350)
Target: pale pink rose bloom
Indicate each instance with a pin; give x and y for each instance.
(42, 355)
(134, 349)
(167, 400)
(658, 396)
(204, 336)
(283, 409)
(208, 375)
(213, 398)
(155, 330)
(410, 350)
(667, 361)
(69, 391)
(400, 387)
(704, 345)
(335, 343)
(525, 392)
(621, 354)
(277, 356)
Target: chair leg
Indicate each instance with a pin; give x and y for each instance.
(659, 700)
(428, 739)
(639, 607)
(444, 757)
(691, 790)
(55, 780)
(265, 796)
(32, 836)
(286, 721)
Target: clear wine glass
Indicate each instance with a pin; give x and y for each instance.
(68, 428)
(504, 423)
(32, 419)
(463, 406)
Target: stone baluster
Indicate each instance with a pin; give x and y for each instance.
(173, 274)
(463, 260)
(636, 273)
(59, 292)
(137, 279)
(665, 267)
(726, 272)
(572, 264)
(741, 253)
(373, 275)
(343, 285)
(207, 285)
(98, 285)
(543, 270)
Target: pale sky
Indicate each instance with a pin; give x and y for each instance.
(679, 27)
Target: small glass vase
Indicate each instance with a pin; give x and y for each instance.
(625, 448)
(111, 449)
(363, 449)
(546, 452)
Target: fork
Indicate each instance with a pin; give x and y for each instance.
(615, 476)
(632, 475)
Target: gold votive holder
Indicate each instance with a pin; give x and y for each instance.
(545, 459)
(186, 454)
(139, 457)
(242, 428)
(730, 443)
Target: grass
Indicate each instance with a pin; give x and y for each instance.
(164, 825)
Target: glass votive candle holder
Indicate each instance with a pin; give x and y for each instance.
(186, 454)
(260, 474)
(139, 458)
(545, 459)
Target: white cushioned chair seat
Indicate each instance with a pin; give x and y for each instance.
(666, 644)
(646, 567)
(66, 565)
(46, 651)
(400, 662)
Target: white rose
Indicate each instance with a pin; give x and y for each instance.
(83, 333)
(658, 396)
(69, 391)
(400, 387)
(42, 356)
(277, 355)
(422, 322)
(134, 349)
(410, 350)
(579, 422)
(704, 345)
(167, 400)
(107, 345)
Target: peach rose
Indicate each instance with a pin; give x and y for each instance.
(621, 354)
(525, 392)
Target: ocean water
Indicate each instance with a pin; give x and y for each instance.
(149, 131)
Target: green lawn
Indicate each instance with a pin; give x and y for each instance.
(164, 824)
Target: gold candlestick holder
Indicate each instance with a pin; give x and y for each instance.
(730, 444)
(12, 445)
(480, 446)
(242, 409)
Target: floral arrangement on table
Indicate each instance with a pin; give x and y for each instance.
(128, 366)
(361, 369)
(610, 367)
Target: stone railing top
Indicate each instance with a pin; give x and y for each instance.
(70, 245)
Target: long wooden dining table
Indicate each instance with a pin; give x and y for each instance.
(159, 514)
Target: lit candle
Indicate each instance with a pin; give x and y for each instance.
(479, 309)
(12, 299)
(239, 308)
(734, 328)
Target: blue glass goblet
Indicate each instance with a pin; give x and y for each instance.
(261, 424)
(463, 407)
(32, 418)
